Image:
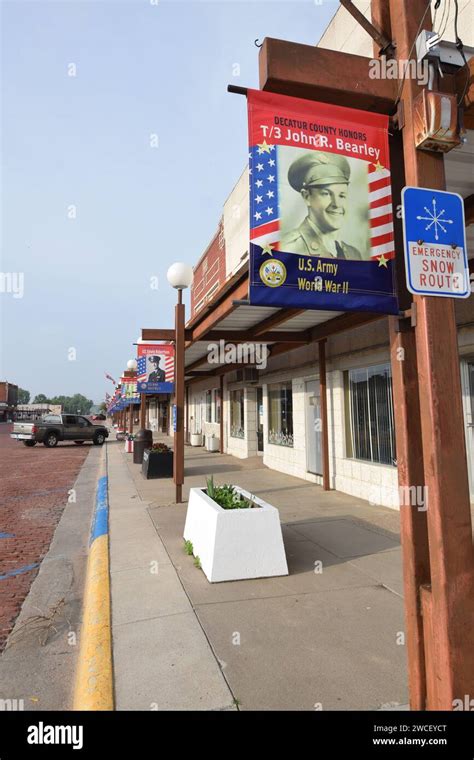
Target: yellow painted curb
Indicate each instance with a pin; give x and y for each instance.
(94, 675)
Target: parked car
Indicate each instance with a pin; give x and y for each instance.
(59, 427)
(98, 417)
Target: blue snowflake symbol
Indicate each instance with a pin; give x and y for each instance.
(435, 218)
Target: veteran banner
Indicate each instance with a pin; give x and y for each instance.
(321, 225)
(155, 368)
(128, 391)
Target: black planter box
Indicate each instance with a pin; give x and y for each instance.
(155, 465)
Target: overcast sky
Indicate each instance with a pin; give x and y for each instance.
(91, 210)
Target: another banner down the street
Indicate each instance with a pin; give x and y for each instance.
(155, 368)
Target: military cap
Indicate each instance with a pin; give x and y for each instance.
(317, 168)
(155, 359)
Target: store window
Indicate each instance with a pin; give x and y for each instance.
(369, 402)
(237, 427)
(208, 406)
(280, 414)
(217, 405)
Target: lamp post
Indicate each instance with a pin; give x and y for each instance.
(180, 276)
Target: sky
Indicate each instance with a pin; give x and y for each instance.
(119, 147)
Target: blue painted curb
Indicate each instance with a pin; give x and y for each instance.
(100, 525)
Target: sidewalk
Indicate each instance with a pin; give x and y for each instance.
(312, 640)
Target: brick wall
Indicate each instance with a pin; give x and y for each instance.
(209, 272)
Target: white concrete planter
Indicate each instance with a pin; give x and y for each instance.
(235, 544)
(196, 439)
(212, 443)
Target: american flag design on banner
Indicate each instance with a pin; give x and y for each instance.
(264, 205)
(167, 363)
(382, 241)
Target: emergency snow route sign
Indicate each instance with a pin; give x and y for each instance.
(435, 243)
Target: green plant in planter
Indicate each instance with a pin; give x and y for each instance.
(226, 496)
(160, 448)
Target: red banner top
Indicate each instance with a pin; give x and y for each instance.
(282, 120)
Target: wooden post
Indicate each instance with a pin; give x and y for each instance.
(448, 601)
(187, 414)
(221, 421)
(142, 410)
(410, 470)
(324, 413)
(130, 417)
(178, 459)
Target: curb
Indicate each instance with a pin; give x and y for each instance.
(94, 678)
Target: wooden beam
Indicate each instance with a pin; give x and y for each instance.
(150, 333)
(469, 209)
(448, 600)
(380, 16)
(314, 73)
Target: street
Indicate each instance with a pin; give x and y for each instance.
(35, 485)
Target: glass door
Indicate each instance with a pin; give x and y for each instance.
(314, 452)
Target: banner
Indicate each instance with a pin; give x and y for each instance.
(155, 370)
(321, 229)
(128, 391)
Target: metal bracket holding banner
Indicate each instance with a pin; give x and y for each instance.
(406, 320)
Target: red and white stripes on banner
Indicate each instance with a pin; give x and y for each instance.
(266, 234)
(380, 213)
(169, 369)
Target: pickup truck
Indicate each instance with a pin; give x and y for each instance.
(59, 427)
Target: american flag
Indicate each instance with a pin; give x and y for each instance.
(264, 206)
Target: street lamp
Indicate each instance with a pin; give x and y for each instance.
(180, 276)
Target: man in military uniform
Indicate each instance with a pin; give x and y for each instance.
(158, 374)
(322, 179)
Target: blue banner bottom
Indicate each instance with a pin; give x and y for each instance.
(313, 282)
(147, 387)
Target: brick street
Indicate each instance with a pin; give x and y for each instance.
(35, 485)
